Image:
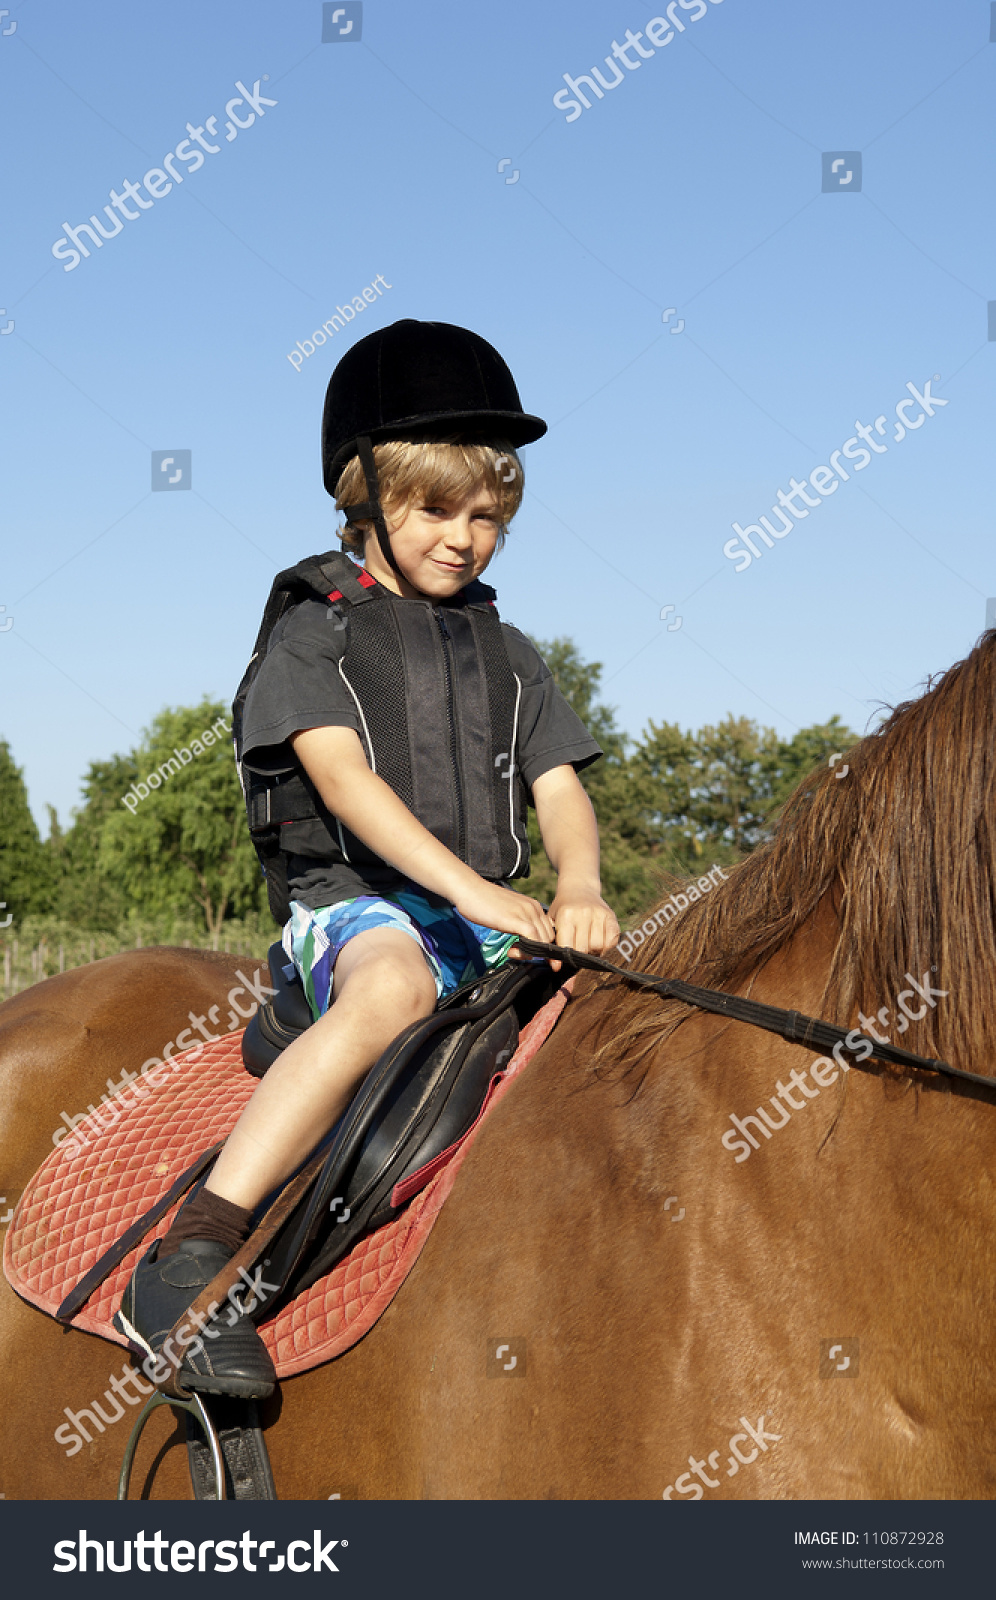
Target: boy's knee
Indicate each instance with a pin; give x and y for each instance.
(399, 978)
(407, 986)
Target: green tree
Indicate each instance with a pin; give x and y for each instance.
(717, 792)
(25, 876)
(663, 768)
(187, 843)
(732, 793)
(91, 895)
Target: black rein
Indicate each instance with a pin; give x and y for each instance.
(790, 1025)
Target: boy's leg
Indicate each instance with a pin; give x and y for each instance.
(382, 984)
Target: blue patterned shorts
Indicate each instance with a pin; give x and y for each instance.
(457, 950)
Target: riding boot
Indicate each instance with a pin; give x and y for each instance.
(227, 1355)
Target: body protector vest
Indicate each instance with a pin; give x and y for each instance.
(438, 705)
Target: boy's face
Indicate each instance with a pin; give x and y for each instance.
(439, 548)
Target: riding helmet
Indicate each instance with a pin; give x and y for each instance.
(420, 380)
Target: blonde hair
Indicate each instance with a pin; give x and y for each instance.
(438, 470)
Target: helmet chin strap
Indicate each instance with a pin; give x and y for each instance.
(370, 509)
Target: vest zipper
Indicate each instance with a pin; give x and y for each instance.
(461, 850)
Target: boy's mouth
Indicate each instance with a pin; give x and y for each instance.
(450, 566)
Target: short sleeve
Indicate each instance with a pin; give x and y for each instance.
(297, 686)
(550, 733)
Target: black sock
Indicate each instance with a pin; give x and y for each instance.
(207, 1216)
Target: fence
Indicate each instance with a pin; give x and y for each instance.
(42, 947)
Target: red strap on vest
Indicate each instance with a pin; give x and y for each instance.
(366, 579)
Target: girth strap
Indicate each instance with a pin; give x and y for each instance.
(790, 1025)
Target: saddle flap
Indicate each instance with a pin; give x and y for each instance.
(432, 1111)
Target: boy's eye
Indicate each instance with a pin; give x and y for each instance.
(477, 516)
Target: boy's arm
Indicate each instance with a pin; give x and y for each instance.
(570, 838)
(336, 764)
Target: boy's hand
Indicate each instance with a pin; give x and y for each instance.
(503, 909)
(508, 912)
(583, 921)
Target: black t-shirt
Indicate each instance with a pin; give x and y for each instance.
(298, 686)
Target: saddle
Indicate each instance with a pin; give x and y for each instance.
(413, 1109)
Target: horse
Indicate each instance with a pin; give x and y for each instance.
(725, 1269)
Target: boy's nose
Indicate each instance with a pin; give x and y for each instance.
(457, 536)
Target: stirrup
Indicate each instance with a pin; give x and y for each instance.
(196, 1408)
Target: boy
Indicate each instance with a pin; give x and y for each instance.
(412, 820)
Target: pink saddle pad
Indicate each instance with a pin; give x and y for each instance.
(81, 1200)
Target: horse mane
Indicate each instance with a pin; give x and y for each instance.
(904, 844)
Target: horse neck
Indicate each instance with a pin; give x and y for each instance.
(864, 1212)
(872, 1186)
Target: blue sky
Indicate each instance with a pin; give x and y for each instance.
(695, 184)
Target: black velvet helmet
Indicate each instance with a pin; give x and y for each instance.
(420, 380)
